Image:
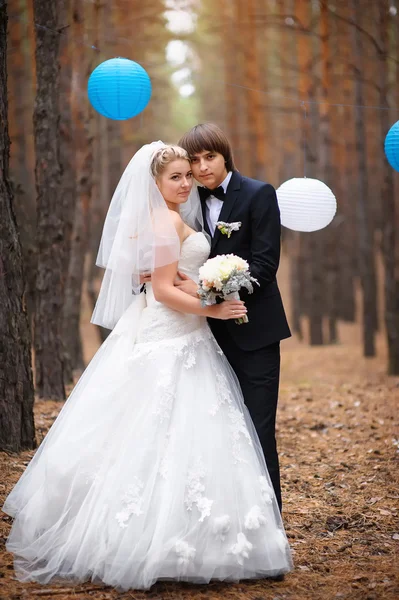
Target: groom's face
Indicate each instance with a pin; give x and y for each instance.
(209, 168)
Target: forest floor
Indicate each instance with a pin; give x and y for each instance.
(339, 448)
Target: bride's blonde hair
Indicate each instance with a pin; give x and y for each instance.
(165, 156)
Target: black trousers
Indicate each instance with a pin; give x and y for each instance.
(258, 372)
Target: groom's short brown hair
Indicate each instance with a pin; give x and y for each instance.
(208, 136)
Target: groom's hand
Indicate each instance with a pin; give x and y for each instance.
(186, 285)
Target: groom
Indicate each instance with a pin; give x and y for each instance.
(253, 349)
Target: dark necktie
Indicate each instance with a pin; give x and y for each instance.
(204, 193)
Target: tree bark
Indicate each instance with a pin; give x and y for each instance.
(296, 282)
(21, 76)
(390, 238)
(52, 242)
(17, 430)
(311, 243)
(229, 58)
(343, 150)
(259, 127)
(329, 241)
(366, 259)
(100, 181)
(67, 139)
(67, 157)
(239, 21)
(82, 127)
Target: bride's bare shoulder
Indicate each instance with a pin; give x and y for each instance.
(178, 223)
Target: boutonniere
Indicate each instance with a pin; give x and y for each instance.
(228, 228)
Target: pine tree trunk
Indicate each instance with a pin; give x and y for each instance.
(243, 151)
(311, 243)
(329, 241)
(343, 150)
(296, 283)
(82, 119)
(365, 242)
(289, 115)
(230, 93)
(67, 158)
(100, 181)
(289, 137)
(17, 430)
(260, 143)
(390, 238)
(52, 243)
(67, 139)
(21, 76)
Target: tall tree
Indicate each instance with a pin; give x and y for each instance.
(17, 429)
(311, 243)
(52, 241)
(67, 140)
(68, 149)
(344, 169)
(101, 175)
(290, 140)
(83, 59)
(366, 249)
(21, 75)
(238, 76)
(329, 240)
(259, 126)
(390, 237)
(230, 66)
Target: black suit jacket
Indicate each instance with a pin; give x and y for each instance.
(254, 203)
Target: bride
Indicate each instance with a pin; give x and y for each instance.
(153, 469)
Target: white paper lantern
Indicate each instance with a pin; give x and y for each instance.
(306, 204)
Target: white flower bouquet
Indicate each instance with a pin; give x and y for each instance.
(223, 277)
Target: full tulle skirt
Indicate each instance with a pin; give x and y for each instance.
(152, 470)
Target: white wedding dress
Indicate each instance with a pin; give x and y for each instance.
(153, 469)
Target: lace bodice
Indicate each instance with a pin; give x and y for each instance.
(159, 322)
(194, 252)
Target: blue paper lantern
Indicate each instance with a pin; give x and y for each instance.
(119, 88)
(392, 146)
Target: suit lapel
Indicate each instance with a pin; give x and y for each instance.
(231, 196)
(205, 220)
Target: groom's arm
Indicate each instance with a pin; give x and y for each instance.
(265, 235)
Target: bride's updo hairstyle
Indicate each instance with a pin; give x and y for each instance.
(164, 156)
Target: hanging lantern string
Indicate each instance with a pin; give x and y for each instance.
(304, 136)
(243, 87)
(284, 97)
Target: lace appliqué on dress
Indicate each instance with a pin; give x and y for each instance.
(166, 393)
(184, 346)
(186, 554)
(241, 548)
(221, 527)
(281, 541)
(266, 490)
(132, 501)
(254, 518)
(238, 426)
(165, 461)
(223, 393)
(195, 491)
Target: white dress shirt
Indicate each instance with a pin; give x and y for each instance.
(214, 206)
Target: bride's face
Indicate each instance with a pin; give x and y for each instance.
(176, 181)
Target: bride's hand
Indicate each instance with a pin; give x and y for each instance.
(229, 309)
(145, 278)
